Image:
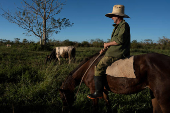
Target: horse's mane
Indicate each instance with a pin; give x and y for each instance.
(84, 61)
(72, 72)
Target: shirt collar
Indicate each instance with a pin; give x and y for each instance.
(115, 25)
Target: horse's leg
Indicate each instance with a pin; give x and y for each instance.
(161, 102)
(106, 98)
(95, 105)
(156, 106)
(95, 101)
(164, 102)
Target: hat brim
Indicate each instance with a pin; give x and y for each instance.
(110, 15)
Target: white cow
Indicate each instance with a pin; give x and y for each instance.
(62, 52)
(8, 45)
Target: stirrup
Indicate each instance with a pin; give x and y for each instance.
(94, 96)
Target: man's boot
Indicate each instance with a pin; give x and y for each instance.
(98, 80)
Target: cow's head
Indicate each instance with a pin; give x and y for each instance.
(48, 58)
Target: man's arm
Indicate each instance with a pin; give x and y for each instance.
(113, 43)
(106, 45)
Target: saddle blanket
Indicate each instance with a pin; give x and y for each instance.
(122, 68)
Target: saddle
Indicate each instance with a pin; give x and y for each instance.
(122, 68)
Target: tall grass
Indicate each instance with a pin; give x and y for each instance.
(28, 85)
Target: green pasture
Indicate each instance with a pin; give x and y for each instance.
(27, 85)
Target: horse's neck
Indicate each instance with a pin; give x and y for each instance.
(69, 83)
(76, 76)
(81, 71)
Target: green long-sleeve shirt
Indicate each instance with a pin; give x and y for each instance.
(121, 35)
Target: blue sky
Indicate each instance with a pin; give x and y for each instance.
(149, 19)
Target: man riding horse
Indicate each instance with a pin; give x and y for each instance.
(117, 48)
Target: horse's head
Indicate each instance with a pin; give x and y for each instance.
(67, 98)
(67, 93)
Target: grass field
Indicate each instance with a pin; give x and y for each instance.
(27, 85)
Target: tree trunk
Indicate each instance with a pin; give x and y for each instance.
(44, 24)
(40, 41)
(44, 31)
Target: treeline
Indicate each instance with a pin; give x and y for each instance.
(162, 43)
(31, 45)
(92, 43)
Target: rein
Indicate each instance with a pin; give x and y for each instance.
(87, 71)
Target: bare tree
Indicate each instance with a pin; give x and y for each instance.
(38, 18)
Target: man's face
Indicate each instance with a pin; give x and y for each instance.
(115, 19)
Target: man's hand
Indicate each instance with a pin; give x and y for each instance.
(103, 50)
(106, 45)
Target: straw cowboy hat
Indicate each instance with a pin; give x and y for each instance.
(118, 10)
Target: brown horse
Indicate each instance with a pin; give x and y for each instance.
(151, 70)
